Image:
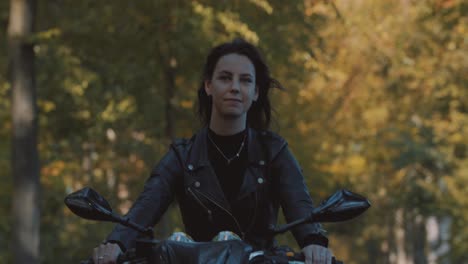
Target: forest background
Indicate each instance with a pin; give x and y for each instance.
(376, 102)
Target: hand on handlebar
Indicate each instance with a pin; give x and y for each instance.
(106, 253)
(316, 254)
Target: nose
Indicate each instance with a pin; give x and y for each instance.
(235, 86)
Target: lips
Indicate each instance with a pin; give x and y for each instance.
(233, 100)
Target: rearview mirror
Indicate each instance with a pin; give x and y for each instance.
(89, 204)
(343, 205)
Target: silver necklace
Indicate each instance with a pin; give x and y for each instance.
(224, 156)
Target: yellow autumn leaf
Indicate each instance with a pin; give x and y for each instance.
(356, 164)
(376, 115)
(187, 104)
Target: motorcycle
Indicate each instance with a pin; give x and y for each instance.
(86, 203)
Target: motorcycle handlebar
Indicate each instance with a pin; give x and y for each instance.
(130, 256)
(299, 257)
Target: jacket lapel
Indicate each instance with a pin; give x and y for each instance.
(203, 178)
(254, 176)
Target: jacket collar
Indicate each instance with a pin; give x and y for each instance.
(198, 156)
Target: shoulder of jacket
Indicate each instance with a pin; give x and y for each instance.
(178, 150)
(274, 142)
(272, 137)
(182, 145)
(180, 142)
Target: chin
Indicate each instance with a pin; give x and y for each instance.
(232, 115)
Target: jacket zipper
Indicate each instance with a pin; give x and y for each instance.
(210, 215)
(225, 210)
(254, 215)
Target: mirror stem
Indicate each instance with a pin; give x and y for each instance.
(286, 227)
(148, 231)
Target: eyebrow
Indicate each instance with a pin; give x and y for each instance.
(230, 73)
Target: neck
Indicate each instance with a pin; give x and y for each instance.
(227, 127)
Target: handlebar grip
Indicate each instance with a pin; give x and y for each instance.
(335, 261)
(128, 255)
(121, 258)
(88, 261)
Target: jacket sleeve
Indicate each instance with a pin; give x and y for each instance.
(295, 198)
(151, 204)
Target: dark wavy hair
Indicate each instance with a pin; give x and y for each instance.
(259, 114)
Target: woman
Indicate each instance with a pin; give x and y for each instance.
(233, 174)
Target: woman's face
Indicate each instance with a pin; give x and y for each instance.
(232, 87)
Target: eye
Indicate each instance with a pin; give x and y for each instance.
(246, 80)
(224, 78)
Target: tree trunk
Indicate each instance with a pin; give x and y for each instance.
(419, 240)
(165, 53)
(438, 236)
(164, 225)
(170, 91)
(168, 66)
(400, 256)
(25, 158)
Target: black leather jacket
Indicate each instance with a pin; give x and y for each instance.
(273, 178)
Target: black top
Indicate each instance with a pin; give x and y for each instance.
(230, 174)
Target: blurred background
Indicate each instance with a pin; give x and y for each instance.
(92, 92)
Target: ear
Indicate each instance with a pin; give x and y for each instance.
(208, 87)
(256, 94)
